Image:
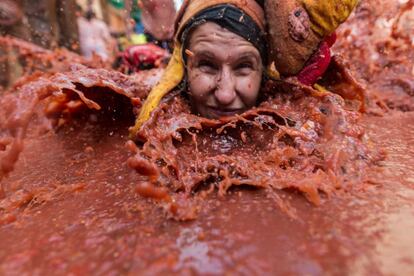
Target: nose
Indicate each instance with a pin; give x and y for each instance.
(225, 93)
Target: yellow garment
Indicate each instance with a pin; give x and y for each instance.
(134, 39)
(138, 39)
(326, 16)
(174, 73)
(172, 76)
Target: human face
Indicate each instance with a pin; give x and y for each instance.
(224, 72)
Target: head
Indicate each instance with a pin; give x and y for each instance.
(224, 71)
(227, 46)
(293, 37)
(224, 52)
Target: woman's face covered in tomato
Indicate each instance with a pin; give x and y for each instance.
(224, 72)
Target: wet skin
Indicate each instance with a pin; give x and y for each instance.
(224, 72)
(72, 207)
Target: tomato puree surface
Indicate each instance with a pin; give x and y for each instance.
(311, 182)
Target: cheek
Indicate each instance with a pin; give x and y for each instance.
(249, 88)
(200, 84)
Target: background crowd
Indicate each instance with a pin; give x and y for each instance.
(133, 34)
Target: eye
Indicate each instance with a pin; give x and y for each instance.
(207, 66)
(244, 68)
(244, 65)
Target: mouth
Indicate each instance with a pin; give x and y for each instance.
(216, 112)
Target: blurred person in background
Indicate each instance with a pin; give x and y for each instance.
(94, 37)
(143, 52)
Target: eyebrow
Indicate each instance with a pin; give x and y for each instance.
(249, 55)
(205, 54)
(244, 55)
